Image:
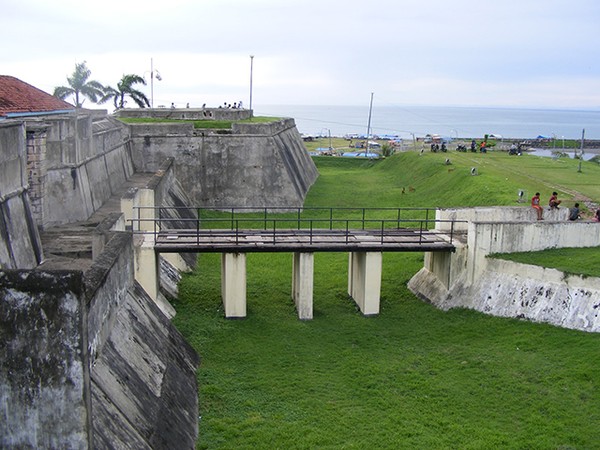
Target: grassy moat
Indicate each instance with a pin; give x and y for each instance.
(414, 376)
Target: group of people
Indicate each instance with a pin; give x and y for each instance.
(235, 105)
(435, 147)
(554, 202)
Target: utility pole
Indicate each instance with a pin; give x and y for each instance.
(151, 83)
(251, 68)
(369, 123)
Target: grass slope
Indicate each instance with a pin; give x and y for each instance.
(412, 377)
(582, 261)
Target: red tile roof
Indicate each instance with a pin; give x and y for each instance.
(16, 96)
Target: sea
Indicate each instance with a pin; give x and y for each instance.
(451, 122)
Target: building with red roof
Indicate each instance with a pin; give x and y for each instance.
(20, 99)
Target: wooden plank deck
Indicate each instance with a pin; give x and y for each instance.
(293, 240)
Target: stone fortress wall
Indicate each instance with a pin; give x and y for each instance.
(249, 165)
(89, 359)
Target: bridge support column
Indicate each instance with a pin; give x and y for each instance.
(302, 284)
(364, 280)
(233, 284)
(146, 266)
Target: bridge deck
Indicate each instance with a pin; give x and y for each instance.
(302, 240)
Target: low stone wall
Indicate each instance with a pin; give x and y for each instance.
(254, 165)
(470, 278)
(186, 113)
(509, 289)
(464, 216)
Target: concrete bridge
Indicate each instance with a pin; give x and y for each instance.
(363, 232)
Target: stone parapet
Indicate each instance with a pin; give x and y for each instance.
(470, 278)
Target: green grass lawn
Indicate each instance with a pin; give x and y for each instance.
(412, 377)
(203, 124)
(581, 261)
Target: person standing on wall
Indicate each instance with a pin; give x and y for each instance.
(535, 204)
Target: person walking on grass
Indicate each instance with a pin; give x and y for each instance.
(535, 204)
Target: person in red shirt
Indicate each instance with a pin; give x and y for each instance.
(535, 204)
(554, 201)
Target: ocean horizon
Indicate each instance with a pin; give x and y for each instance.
(448, 121)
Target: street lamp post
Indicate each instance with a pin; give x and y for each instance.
(153, 74)
(251, 68)
(581, 154)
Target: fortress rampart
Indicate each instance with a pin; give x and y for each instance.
(90, 357)
(249, 165)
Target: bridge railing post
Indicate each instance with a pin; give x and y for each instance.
(198, 226)
(347, 224)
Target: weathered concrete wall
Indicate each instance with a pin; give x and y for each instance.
(469, 278)
(187, 113)
(143, 380)
(86, 161)
(19, 239)
(509, 289)
(464, 216)
(12, 159)
(252, 165)
(89, 361)
(107, 283)
(144, 391)
(44, 373)
(486, 238)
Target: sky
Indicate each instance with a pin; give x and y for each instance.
(509, 53)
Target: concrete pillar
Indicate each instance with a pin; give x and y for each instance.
(145, 198)
(302, 284)
(146, 265)
(364, 280)
(233, 284)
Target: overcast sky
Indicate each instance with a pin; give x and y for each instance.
(514, 53)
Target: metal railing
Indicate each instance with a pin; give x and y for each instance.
(273, 223)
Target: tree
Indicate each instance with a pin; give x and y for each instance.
(125, 88)
(80, 85)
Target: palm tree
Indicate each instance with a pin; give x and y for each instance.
(125, 88)
(79, 85)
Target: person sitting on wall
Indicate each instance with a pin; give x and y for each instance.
(597, 215)
(554, 201)
(535, 204)
(574, 212)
